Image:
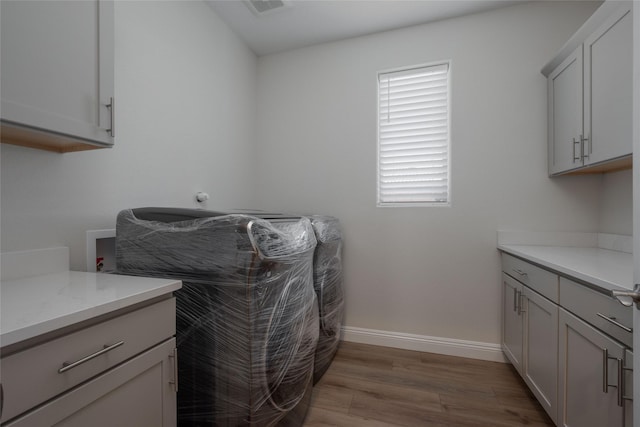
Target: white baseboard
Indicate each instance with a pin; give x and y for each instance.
(448, 346)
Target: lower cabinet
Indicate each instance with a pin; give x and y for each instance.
(512, 321)
(541, 349)
(571, 345)
(115, 371)
(530, 340)
(139, 392)
(592, 376)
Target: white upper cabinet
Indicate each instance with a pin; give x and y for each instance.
(57, 74)
(589, 95)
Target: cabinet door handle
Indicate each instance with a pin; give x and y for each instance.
(174, 359)
(620, 383)
(574, 149)
(624, 382)
(1, 399)
(515, 299)
(613, 320)
(605, 370)
(520, 309)
(112, 108)
(605, 375)
(584, 153)
(70, 365)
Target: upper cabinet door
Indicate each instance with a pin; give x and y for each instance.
(608, 56)
(57, 70)
(565, 114)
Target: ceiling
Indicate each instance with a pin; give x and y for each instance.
(306, 22)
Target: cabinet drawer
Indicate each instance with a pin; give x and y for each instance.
(32, 376)
(541, 281)
(591, 306)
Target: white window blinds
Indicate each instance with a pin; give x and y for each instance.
(413, 136)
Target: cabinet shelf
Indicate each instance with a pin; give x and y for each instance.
(620, 164)
(44, 140)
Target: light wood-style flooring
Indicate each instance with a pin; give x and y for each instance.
(378, 386)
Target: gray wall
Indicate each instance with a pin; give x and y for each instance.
(616, 207)
(430, 271)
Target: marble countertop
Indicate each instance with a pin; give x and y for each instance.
(32, 306)
(607, 269)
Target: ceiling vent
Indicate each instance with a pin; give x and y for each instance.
(263, 7)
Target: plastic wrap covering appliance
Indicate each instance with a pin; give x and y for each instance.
(327, 278)
(327, 275)
(247, 316)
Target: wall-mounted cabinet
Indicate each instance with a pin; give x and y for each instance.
(589, 96)
(57, 79)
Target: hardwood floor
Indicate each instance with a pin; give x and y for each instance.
(379, 386)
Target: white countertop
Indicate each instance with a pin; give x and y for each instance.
(607, 269)
(35, 305)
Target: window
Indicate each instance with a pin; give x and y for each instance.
(413, 136)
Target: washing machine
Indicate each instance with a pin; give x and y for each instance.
(247, 315)
(328, 284)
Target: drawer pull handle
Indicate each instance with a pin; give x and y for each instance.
(520, 272)
(613, 320)
(70, 365)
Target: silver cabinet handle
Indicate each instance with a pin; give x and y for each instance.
(70, 365)
(515, 299)
(520, 272)
(605, 375)
(613, 320)
(623, 386)
(620, 383)
(605, 370)
(584, 153)
(174, 359)
(112, 107)
(574, 150)
(520, 304)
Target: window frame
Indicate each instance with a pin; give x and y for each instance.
(424, 203)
